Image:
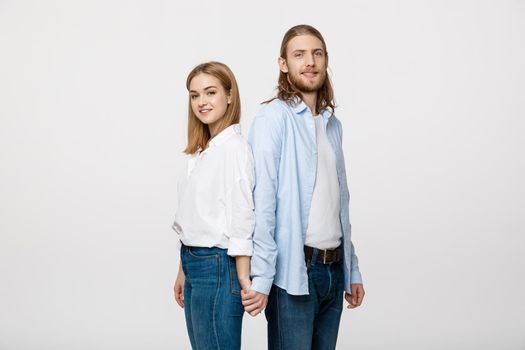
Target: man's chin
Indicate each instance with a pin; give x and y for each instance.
(307, 88)
(306, 85)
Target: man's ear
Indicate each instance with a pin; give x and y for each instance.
(282, 65)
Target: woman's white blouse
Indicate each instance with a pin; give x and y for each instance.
(215, 206)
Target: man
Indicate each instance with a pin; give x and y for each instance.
(303, 259)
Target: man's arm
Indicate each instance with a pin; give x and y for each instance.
(266, 141)
(357, 291)
(356, 283)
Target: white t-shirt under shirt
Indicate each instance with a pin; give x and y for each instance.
(324, 225)
(215, 198)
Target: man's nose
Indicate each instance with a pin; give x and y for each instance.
(310, 60)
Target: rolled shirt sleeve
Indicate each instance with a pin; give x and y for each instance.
(242, 213)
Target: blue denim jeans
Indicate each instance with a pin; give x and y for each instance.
(212, 299)
(310, 321)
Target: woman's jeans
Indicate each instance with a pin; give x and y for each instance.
(212, 299)
(304, 322)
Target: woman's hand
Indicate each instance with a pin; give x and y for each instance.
(178, 288)
(245, 283)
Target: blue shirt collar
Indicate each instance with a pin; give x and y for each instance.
(301, 107)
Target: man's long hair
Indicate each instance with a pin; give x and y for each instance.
(286, 91)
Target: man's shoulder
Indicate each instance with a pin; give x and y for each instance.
(334, 120)
(272, 116)
(276, 108)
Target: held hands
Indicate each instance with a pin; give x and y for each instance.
(254, 302)
(356, 298)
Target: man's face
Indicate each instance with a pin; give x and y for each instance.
(305, 63)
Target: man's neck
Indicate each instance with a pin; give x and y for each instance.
(310, 99)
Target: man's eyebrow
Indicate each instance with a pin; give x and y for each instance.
(303, 50)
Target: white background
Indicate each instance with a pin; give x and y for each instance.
(93, 113)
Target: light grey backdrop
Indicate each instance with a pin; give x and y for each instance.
(92, 124)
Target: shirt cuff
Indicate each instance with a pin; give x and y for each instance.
(240, 247)
(262, 285)
(355, 277)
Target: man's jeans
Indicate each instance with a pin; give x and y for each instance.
(311, 321)
(212, 299)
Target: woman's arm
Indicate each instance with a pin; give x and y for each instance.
(178, 288)
(243, 272)
(242, 215)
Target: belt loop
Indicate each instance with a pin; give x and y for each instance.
(324, 256)
(313, 260)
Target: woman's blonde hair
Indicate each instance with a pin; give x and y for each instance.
(286, 91)
(198, 132)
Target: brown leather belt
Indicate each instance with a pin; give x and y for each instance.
(325, 256)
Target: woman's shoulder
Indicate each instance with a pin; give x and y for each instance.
(237, 143)
(238, 150)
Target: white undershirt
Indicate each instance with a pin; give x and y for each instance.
(324, 225)
(215, 198)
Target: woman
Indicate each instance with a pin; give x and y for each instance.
(215, 218)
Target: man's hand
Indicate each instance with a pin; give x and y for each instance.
(254, 302)
(356, 298)
(178, 288)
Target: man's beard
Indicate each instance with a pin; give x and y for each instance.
(302, 87)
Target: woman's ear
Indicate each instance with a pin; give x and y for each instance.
(230, 96)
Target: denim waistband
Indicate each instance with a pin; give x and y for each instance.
(210, 250)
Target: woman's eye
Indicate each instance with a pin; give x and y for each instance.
(211, 93)
(319, 53)
(193, 97)
(298, 55)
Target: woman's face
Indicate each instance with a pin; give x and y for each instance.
(209, 100)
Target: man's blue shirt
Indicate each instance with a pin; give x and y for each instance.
(284, 148)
